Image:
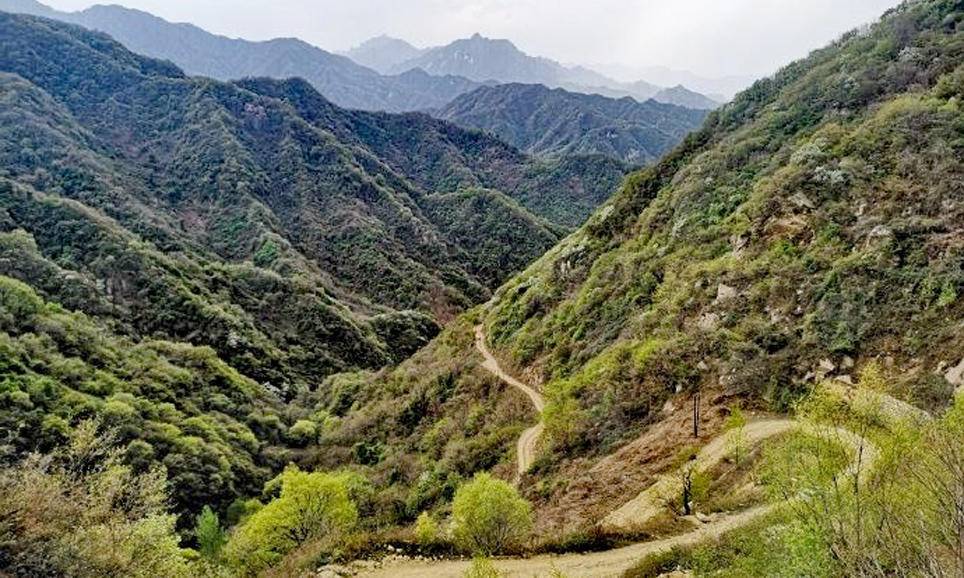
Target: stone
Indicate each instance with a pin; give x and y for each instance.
(827, 365)
(708, 321)
(955, 375)
(881, 232)
(725, 292)
(801, 200)
(847, 362)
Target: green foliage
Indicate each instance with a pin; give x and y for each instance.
(303, 432)
(426, 530)
(170, 404)
(735, 426)
(482, 568)
(82, 512)
(209, 534)
(556, 123)
(489, 516)
(311, 507)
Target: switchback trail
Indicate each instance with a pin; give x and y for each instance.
(616, 562)
(528, 441)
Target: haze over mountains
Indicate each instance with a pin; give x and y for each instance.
(416, 79)
(201, 53)
(390, 84)
(485, 59)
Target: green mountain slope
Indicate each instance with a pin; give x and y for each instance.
(253, 228)
(811, 227)
(555, 122)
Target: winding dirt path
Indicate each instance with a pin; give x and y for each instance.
(652, 501)
(529, 440)
(616, 562)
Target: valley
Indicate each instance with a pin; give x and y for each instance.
(270, 310)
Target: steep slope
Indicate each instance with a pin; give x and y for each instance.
(383, 53)
(201, 53)
(811, 227)
(555, 122)
(204, 212)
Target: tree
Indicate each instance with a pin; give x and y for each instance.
(735, 425)
(209, 533)
(311, 507)
(692, 482)
(81, 512)
(488, 516)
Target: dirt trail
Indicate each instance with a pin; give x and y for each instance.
(596, 564)
(652, 501)
(529, 440)
(617, 561)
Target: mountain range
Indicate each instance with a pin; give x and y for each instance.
(555, 122)
(425, 79)
(225, 200)
(490, 60)
(201, 53)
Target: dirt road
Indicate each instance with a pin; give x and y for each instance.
(529, 440)
(617, 561)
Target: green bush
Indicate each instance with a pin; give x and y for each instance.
(311, 507)
(489, 516)
(482, 568)
(426, 530)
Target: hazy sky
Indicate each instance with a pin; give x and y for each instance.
(711, 37)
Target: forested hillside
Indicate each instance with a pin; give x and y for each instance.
(554, 122)
(747, 362)
(184, 256)
(811, 229)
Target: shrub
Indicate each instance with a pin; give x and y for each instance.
(81, 512)
(489, 516)
(482, 568)
(312, 506)
(303, 433)
(426, 530)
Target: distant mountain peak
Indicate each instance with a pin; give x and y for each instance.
(383, 52)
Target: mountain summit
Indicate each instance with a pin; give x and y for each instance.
(383, 53)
